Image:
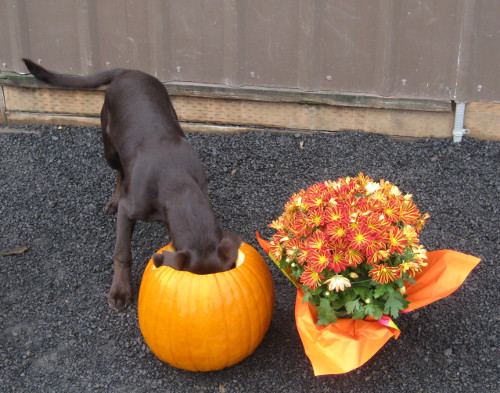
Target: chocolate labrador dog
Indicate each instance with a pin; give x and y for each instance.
(159, 176)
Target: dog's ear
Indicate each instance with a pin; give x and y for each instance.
(158, 260)
(228, 249)
(176, 260)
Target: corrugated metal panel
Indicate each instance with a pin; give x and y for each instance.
(478, 77)
(384, 48)
(434, 49)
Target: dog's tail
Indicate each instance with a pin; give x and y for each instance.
(72, 81)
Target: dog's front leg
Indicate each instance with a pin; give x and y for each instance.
(120, 293)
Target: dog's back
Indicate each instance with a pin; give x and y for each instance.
(140, 94)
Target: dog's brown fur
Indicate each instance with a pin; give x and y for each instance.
(159, 176)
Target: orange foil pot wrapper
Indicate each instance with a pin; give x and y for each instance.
(349, 343)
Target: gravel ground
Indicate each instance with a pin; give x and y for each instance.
(58, 335)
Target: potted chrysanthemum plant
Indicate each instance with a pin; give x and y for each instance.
(352, 248)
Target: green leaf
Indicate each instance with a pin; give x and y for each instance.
(310, 296)
(374, 310)
(362, 291)
(381, 290)
(394, 304)
(323, 322)
(396, 259)
(360, 314)
(408, 255)
(326, 313)
(306, 298)
(352, 306)
(318, 291)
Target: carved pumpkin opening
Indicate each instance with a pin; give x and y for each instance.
(239, 260)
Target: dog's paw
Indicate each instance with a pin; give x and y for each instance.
(119, 297)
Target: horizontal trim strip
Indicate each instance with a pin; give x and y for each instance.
(270, 95)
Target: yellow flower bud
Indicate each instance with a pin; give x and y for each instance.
(353, 275)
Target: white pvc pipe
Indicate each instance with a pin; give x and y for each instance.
(458, 129)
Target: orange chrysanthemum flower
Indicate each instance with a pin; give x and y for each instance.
(397, 240)
(391, 211)
(378, 256)
(296, 203)
(420, 254)
(316, 195)
(317, 241)
(375, 221)
(314, 218)
(333, 214)
(354, 257)
(278, 224)
(338, 262)
(319, 260)
(299, 228)
(383, 273)
(409, 213)
(411, 268)
(303, 257)
(362, 180)
(311, 278)
(336, 230)
(293, 246)
(276, 250)
(421, 222)
(411, 235)
(360, 238)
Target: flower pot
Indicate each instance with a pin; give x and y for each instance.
(342, 346)
(206, 322)
(347, 344)
(352, 248)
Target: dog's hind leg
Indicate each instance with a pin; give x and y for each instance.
(120, 293)
(113, 160)
(112, 205)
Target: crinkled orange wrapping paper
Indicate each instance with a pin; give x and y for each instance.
(346, 345)
(446, 270)
(342, 346)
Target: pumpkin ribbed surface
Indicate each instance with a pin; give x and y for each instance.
(206, 322)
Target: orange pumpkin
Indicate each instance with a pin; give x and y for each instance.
(206, 322)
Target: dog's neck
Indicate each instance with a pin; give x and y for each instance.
(192, 223)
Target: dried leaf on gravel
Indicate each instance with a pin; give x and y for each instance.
(15, 251)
